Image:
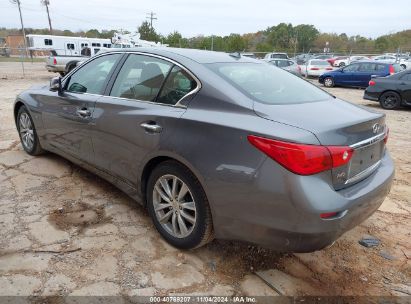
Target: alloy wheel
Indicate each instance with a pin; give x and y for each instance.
(174, 206)
(26, 131)
(390, 101)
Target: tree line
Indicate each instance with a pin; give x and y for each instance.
(283, 37)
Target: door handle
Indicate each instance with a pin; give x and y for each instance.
(151, 128)
(84, 113)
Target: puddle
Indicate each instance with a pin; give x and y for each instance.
(78, 215)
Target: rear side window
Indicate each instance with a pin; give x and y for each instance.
(92, 76)
(141, 78)
(283, 63)
(380, 67)
(264, 84)
(367, 67)
(178, 84)
(397, 68)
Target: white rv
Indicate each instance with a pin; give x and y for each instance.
(65, 45)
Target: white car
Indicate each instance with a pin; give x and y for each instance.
(385, 59)
(271, 56)
(346, 61)
(316, 67)
(406, 63)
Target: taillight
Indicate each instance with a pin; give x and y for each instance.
(328, 215)
(392, 70)
(300, 158)
(54, 60)
(386, 135)
(314, 69)
(371, 83)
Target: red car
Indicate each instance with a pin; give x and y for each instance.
(332, 60)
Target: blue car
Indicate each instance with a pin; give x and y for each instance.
(358, 74)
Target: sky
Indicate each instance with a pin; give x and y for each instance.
(369, 18)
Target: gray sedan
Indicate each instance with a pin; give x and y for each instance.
(288, 65)
(215, 145)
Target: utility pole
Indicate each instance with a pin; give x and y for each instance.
(46, 3)
(151, 17)
(212, 42)
(22, 25)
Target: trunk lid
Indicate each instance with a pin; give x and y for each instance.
(337, 123)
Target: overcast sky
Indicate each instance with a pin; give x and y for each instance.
(370, 18)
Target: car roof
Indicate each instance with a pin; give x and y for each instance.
(200, 56)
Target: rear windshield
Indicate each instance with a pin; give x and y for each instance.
(269, 85)
(397, 68)
(281, 56)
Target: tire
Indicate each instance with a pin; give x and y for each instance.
(403, 66)
(199, 229)
(27, 132)
(62, 74)
(342, 64)
(390, 100)
(329, 82)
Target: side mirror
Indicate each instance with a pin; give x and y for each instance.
(55, 84)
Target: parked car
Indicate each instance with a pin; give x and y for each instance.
(391, 92)
(346, 61)
(324, 56)
(385, 58)
(332, 60)
(215, 145)
(287, 65)
(302, 58)
(316, 67)
(271, 56)
(358, 74)
(405, 63)
(63, 64)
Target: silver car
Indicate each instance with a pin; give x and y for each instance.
(288, 65)
(215, 145)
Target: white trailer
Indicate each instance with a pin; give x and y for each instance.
(65, 45)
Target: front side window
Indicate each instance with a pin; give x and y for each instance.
(178, 84)
(92, 76)
(141, 78)
(264, 84)
(351, 68)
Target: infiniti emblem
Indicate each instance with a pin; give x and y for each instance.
(375, 128)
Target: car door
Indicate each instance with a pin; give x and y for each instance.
(67, 115)
(404, 87)
(365, 70)
(137, 115)
(348, 75)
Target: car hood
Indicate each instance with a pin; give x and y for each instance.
(332, 121)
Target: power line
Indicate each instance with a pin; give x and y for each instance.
(151, 17)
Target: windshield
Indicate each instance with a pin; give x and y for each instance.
(268, 85)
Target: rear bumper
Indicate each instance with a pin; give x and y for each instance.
(55, 68)
(284, 213)
(371, 96)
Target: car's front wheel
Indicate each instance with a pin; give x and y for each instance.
(329, 82)
(390, 100)
(27, 132)
(178, 206)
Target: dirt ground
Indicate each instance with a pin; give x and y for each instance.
(64, 231)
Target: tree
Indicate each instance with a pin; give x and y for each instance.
(147, 32)
(306, 35)
(174, 39)
(235, 43)
(93, 33)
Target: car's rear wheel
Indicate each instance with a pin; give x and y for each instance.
(390, 100)
(178, 206)
(329, 82)
(403, 66)
(342, 64)
(27, 132)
